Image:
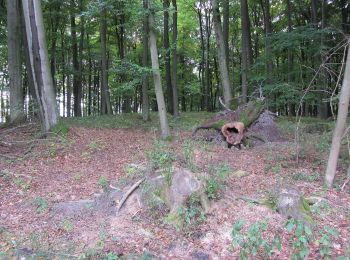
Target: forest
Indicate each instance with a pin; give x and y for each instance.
(174, 129)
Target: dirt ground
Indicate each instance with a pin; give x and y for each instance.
(37, 174)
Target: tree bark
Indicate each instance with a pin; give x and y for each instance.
(226, 29)
(207, 61)
(40, 67)
(174, 65)
(76, 67)
(81, 48)
(106, 107)
(14, 62)
(340, 125)
(145, 78)
(225, 81)
(202, 65)
(165, 131)
(166, 45)
(245, 49)
(265, 5)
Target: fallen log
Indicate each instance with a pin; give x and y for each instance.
(232, 124)
(247, 114)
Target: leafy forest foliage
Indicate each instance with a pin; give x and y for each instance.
(293, 54)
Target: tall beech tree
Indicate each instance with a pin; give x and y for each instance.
(39, 61)
(174, 63)
(166, 45)
(106, 107)
(340, 124)
(225, 80)
(164, 126)
(14, 62)
(145, 54)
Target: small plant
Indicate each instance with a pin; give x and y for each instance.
(188, 149)
(303, 176)
(22, 184)
(302, 235)
(220, 171)
(212, 188)
(41, 205)
(95, 145)
(60, 129)
(67, 225)
(193, 213)
(103, 183)
(276, 169)
(112, 256)
(160, 156)
(325, 242)
(252, 241)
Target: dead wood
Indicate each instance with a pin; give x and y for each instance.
(247, 114)
(129, 192)
(258, 126)
(233, 132)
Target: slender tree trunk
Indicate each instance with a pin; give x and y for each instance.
(225, 81)
(17, 114)
(245, 49)
(202, 65)
(174, 65)
(81, 48)
(145, 78)
(165, 131)
(207, 61)
(226, 29)
(340, 125)
(76, 67)
(106, 107)
(265, 5)
(40, 67)
(166, 45)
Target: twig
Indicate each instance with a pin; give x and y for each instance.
(113, 187)
(8, 157)
(223, 104)
(248, 199)
(346, 181)
(128, 193)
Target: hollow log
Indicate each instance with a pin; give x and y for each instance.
(246, 114)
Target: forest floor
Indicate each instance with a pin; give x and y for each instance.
(84, 158)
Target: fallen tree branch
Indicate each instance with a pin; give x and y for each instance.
(248, 199)
(128, 193)
(223, 104)
(346, 181)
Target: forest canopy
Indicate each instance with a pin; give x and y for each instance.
(292, 51)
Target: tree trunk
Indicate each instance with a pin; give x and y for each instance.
(166, 45)
(340, 125)
(245, 49)
(165, 131)
(174, 65)
(14, 62)
(40, 67)
(226, 29)
(76, 69)
(81, 47)
(106, 107)
(225, 81)
(207, 61)
(145, 78)
(202, 65)
(265, 5)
